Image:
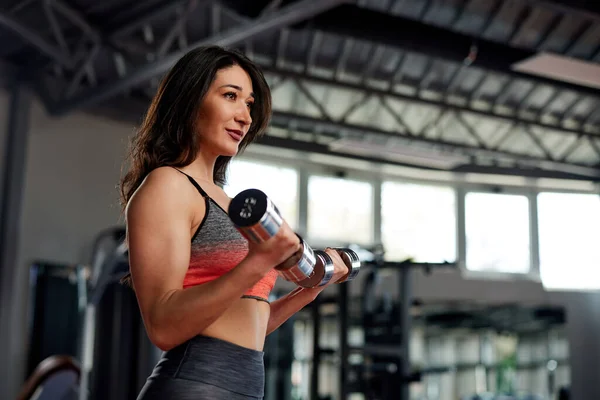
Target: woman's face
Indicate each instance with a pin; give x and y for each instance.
(224, 117)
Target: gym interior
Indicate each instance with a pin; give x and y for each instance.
(454, 145)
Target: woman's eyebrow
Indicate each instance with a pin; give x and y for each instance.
(237, 88)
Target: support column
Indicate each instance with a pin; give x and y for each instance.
(406, 299)
(583, 330)
(344, 325)
(12, 295)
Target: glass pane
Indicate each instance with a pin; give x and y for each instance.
(418, 222)
(279, 183)
(497, 232)
(340, 210)
(569, 231)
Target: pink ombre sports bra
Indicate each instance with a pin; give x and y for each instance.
(217, 247)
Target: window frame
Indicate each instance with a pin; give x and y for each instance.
(421, 183)
(307, 164)
(534, 265)
(328, 173)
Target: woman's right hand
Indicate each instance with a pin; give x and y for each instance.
(277, 249)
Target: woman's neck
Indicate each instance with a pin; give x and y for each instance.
(201, 169)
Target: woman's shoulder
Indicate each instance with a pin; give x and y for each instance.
(165, 174)
(163, 187)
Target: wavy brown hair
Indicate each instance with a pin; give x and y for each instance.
(168, 136)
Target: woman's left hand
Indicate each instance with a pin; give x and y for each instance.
(340, 270)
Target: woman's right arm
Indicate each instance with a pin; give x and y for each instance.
(159, 221)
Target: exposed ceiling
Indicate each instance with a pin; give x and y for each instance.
(444, 84)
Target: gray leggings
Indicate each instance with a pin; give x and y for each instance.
(207, 368)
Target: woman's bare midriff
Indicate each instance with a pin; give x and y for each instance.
(244, 323)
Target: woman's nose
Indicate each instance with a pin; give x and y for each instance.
(243, 116)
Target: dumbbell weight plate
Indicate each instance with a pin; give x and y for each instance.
(351, 260)
(255, 215)
(322, 271)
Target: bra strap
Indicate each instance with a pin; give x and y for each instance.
(193, 181)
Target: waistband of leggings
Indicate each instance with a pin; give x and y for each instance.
(221, 363)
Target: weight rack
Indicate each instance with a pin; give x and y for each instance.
(403, 374)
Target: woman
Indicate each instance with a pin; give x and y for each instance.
(202, 288)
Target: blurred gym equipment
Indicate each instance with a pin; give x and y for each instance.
(107, 334)
(57, 377)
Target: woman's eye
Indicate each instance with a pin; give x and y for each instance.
(231, 95)
(250, 104)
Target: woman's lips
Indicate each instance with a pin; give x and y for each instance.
(235, 134)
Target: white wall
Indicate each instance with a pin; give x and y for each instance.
(72, 172)
(71, 191)
(73, 168)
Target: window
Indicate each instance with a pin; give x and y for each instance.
(279, 183)
(569, 232)
(418, 222)
(497, 232)
(340, 210)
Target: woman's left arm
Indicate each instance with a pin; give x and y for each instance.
(297, 299)
(283, 308)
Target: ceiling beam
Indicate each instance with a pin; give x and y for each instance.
(589, 10)
(406, 34)
(491, 114)
(531, 172)
(131, 111)
(288, 15)
(34, 39)
(526, 172)
(339, 130)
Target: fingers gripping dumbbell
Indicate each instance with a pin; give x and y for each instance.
(258, 219)
(351, 260)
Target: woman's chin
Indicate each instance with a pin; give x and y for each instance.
(229, 151)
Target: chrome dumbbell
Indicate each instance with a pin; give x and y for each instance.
(257, 218)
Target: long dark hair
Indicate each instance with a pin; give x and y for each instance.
(167, 135)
